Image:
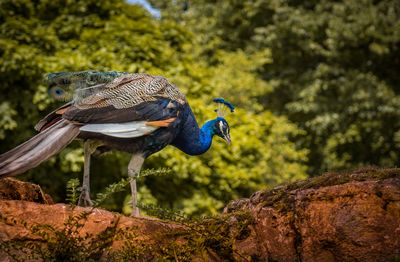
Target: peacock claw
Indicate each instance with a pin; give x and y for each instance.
(135, 210)
(84, 198)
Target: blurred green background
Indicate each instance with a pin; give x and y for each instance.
(316, 86)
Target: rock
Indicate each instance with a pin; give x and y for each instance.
(12, 189)
(335, 217)
(22, 217)
(353, 216)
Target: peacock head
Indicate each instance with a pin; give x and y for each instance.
(221, 129)
(221, 126)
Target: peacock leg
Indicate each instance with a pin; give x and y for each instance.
(134, 167)
(89, 147)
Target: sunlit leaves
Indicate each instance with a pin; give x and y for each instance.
(334, 71)
(71, 35)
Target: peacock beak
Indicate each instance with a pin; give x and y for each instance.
(227, 138)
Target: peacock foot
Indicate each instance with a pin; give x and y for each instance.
(135, 210)
(84, 198)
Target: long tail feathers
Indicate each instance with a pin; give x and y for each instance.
(37, 149)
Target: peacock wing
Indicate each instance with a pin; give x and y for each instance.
(132, 105)
(135, 121)
(127, 91)
(128, 97)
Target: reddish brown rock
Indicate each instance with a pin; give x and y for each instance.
(96, 223)
(352, 216)
(12, 189)
(324, 220)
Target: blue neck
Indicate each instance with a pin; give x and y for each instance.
(194, 140)
(205, 137)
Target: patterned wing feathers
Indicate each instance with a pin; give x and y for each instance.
(130, 90)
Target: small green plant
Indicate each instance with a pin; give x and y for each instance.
(124, 182)
(153, 172)
(163, 213)
(216, 234)
(133, 248)
(72, 191)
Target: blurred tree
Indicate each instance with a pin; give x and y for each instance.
(50, 36)
(334, 71)
(39, 37)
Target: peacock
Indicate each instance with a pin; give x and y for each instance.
(136, 113)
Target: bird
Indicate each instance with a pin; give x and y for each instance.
(136, 113)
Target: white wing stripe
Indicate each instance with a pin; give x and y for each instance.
(122, 130)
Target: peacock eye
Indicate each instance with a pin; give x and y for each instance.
(57, 92)
(91, 80)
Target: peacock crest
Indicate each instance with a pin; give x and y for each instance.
(223, 107)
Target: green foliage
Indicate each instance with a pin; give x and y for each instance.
(333, 70)
(6, 121)
(41, 37)
(72, 191)
(121, 185)
(207, 235)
